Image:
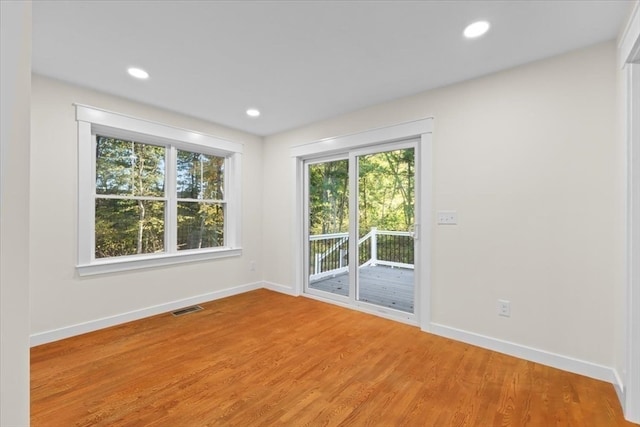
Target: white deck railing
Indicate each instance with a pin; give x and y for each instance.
(337, 250)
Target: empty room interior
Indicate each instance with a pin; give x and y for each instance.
(316, 213)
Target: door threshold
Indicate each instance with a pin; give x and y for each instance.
(401, 317)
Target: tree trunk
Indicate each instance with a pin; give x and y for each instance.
(201, 231)
(140, 226)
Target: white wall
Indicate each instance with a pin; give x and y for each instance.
(530, 160)
(59, 298)
(15, 86)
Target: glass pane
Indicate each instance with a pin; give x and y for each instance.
(128, 227)
(386, 191)
(200, 176)
(200, 225)
(386, 201)
(129, 168)
(329, 227)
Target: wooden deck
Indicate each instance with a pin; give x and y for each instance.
(390, 287)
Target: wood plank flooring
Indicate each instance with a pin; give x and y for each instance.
(266, 359)
(385, 286)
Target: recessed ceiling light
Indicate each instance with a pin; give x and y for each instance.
(252, 112)
(476, 29)
(138, 73)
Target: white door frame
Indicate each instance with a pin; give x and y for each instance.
(305, 226)
(629, 61)
(632, 403)
(354, 174)
(422, 130)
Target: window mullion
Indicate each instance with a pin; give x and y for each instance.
(171, 210)
(208, 201)
(126, 197)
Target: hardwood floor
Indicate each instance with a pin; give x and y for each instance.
(266, 359)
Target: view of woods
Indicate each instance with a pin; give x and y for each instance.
(329, 197)
(386, 193)
(130, 210)
(131, 200)
(386, 200)
(200, 192)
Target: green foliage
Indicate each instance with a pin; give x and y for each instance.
(128, 227)
(128, 223)
(200, 225)
(329, 197)
(200, 177)
(386, 186)
(129, 168)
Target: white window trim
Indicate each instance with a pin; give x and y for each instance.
(93, 120)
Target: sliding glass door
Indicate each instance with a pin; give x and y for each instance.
(385, 225)
(328, 227)
(360, 213)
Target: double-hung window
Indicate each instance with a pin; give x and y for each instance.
(152, 194)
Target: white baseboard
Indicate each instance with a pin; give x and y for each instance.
(105, 322)
(276, 287)
(566, 363)
(618, 386)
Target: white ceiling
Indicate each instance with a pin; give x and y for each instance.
(299, 62)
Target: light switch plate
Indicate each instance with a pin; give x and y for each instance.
(448, 217)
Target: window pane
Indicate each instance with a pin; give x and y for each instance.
(129, 168)
(328, 240)
(200, 225)
(128, 227)
(200, 176)
(329, 197)
(386, 187)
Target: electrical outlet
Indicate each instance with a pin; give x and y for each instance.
(504, 308)
(252, 266)
(447, 217)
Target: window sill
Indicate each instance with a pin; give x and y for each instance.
(113, 265)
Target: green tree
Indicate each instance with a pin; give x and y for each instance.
(127, 172)
(329, 197)
(200, 186)
(386, 186)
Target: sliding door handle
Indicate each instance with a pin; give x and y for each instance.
(414, 231)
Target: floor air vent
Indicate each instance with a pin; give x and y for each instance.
(186, 310)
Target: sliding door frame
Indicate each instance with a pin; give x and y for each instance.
(419, 129)
(354, 221)
(305, 231)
